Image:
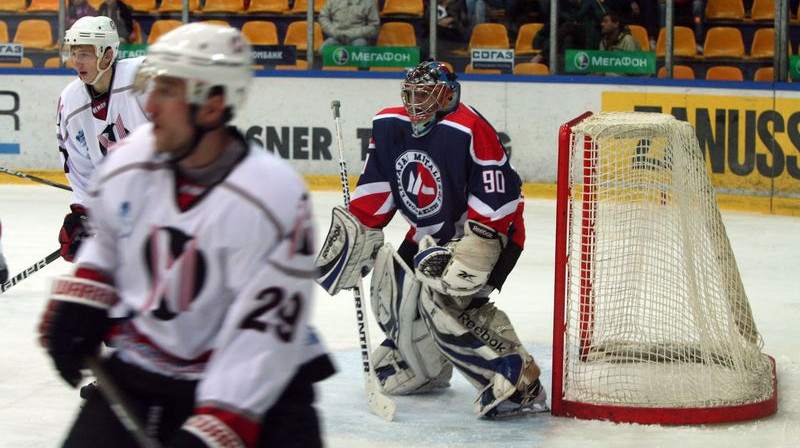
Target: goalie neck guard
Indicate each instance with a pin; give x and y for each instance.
(429, 92)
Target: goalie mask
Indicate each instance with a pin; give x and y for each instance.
(99, 32)
(429, 92)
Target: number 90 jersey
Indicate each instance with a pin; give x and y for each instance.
(219, 290)
(457, 171)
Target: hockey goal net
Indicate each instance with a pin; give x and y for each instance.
(651, 320)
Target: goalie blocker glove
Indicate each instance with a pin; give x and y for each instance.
(73, 231)
(75, 322)
(463, 266)
(348, 252)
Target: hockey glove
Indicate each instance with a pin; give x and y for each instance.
(206, 431)
(74, 323)
(462, 267)
(73, 232)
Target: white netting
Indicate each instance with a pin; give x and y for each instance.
(656, 311)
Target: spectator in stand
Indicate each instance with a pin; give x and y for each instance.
(349, 22)
(639, 12)
(120, 13)
(78, 9)
(696, 9)
(476, 10)
(452, 27)
(579, 27)
(616, 36)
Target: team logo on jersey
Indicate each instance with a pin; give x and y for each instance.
(112, 133)
(420, 183)
(177, 270)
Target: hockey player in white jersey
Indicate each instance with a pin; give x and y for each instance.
(210, 241)
(440, 164)
(94, 112)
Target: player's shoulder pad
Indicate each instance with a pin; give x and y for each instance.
(264, 174)
(125, 71)
(392, 113)
(74, 96)
(485, 141)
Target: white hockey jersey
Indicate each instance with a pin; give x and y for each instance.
(88, 126)
(221, 291)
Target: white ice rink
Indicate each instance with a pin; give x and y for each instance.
(36, 407)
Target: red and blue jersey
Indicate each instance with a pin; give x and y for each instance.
(457, 171)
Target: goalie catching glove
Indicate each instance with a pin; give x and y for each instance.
(348, 253)
(463, 266)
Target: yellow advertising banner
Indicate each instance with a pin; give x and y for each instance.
(751, 144)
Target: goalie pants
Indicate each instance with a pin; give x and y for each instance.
(163, 403)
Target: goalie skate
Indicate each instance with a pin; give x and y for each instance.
(519, 405)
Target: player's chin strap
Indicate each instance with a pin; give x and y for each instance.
(101, 71)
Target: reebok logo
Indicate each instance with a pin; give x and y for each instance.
(482, 231)
(482, 333)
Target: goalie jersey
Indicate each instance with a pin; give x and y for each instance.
(457, 171)
(220, 291)
(89, 125)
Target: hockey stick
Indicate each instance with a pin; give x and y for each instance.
(34, 178)
(27, 272)
(378, 403)
(119, 405)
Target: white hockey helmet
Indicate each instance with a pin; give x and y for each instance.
(100, 31)
(206, 56)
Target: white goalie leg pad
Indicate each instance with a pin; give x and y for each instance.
(409, 361)
(348, 252)
(482, 344)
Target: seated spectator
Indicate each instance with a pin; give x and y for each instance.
(349, 22)
(452, 28)
(616, 36)
(579, 27)
(476, 11)
(120, 13)
(696, 9)
(639, 12)
(78, 9)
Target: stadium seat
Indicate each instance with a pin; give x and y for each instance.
(226, 6)
(301, 6)
(724, 10)
(640, 34)
(216, 22)
(762, 10)
(339, 68)
(34, 34)
(55, 62)
(12, 5)
(484, 71)
(530, 68)
(723, 42)
(268, 6)
(260, 32)
(524, 44)
(26, 63)
(177, 6)
(684, 43)
(764, 74)
(489, 35)
(160, 27)
(300, 64)
(3, 32)
(402, 8)
(42, 5)
(142, 5)
(763, 46)
(296, 35)
(396, 34)
(678, 72)
(724, 73)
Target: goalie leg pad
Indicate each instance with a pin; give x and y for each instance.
(408, 362)
(348, 252)
(481, 343)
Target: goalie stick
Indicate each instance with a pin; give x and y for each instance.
(34, 178)
(27, 272)
(379, 404)
(120, 406)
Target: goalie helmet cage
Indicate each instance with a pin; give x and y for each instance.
(651, 321)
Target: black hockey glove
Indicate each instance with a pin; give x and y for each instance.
(73, 232)
(185, 439)
(206, 431)
(74, 323)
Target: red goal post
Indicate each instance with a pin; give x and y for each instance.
(651, 321)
